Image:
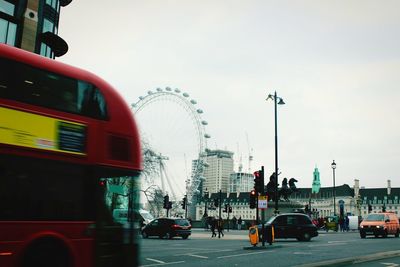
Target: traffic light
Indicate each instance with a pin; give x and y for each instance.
(259, 181)
(184, 200)
(256, 180)
(103, 182)
(216, 202)
(261, 186)
(166, 202)
(253, 197)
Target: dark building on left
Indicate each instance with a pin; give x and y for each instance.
(33, 26)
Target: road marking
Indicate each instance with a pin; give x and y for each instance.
(244, 254)
(390, 264)
(162, 264)
(197, 256)
(326, 245)
(208, 250)
(149, 259)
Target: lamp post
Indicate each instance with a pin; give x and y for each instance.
(205, 202)
(333, 165)
(276, 103)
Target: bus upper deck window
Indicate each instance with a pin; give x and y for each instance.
(90, 101)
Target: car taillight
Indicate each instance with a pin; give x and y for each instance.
(176, 226)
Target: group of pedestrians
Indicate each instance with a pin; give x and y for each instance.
(344, 223)
(216, 225)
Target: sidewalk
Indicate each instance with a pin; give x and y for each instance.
(231, 235)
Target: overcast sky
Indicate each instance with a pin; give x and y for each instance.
(336, 64)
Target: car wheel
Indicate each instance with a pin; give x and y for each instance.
(185, 237)
(306, 237)
(144, 234)
(362, 235)
(397, 233)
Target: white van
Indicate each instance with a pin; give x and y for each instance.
(121, 216)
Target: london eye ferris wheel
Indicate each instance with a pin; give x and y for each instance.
(173, 134)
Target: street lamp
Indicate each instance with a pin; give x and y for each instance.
(276, 103)
(205, 202)
(333, 165)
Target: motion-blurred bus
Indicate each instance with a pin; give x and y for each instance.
(64, 133)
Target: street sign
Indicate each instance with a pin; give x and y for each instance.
(262, 202)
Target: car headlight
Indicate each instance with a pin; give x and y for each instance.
(380, 226)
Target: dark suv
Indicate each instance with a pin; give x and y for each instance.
(167, 228)
(293, 225)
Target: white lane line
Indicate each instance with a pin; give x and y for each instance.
(244, 254)
(302, 253)
(149, 259)
(197, 256)
(204, 251)
(162, 264)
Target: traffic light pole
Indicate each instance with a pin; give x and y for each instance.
(220, 219)
(227, 210)
(257, 208)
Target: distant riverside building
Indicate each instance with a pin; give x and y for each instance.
(349, 200)
(218, 171)
(33, 26)
(241, 182)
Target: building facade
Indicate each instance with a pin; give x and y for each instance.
(240, 182)
(218, 171)
(33, 26)
(349, 200)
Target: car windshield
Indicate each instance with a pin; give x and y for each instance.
(271, 219)
(182, 222)
(375, 217)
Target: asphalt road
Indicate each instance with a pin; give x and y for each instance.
(234, 249)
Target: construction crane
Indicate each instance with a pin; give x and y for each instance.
(250, 150)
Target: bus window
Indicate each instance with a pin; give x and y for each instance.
(31, 191)
(35, 86)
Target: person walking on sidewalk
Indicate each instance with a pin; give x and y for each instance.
(220, 227)
(234, 222)
(213, 224)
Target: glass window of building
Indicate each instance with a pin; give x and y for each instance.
(7, 7)
(53, 3)
(45, 50)
(8, 32)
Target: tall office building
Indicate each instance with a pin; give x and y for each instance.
(33, 26)
(241, 182)
(220, 167)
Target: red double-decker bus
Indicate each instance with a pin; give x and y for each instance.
(64, 134)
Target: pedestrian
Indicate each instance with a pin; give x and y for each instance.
(234, 222)
(341, 224)
(213, 224)
(239, 223)
(220, 227)
(346, 223)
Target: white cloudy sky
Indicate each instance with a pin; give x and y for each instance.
(336, 64)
